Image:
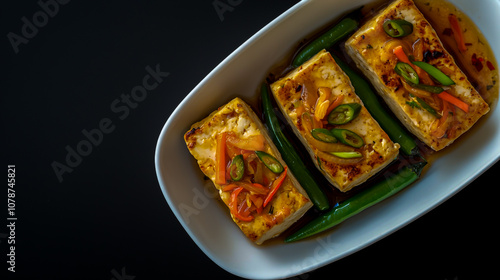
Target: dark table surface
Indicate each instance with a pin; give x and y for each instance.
(67, 69)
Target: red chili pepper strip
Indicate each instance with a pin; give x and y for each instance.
(490, 65)
(276, 185)
(233, 206)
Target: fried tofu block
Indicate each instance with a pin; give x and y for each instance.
(243, 135)
(297, 94)
(372, 50)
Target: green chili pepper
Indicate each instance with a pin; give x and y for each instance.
(429, 88)
(344, 113)
(270, 162)
(347, 154)
(390, 125)
(426, 106)
(290, 156)
(348, 137)
(407, 72)
(326, 40)
(398, 28)
(237, 168)
(324, 135)
(352, 206)
(440, 77)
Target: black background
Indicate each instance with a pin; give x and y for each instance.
(108, 216)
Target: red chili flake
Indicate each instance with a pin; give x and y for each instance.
(476, 62)
(490, 65)
(447, 32)
(468, 44)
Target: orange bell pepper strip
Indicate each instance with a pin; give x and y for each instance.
(275, 186)
(220, 159)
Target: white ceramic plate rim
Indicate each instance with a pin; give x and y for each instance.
(282, 260)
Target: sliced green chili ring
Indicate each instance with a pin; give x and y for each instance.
(398, 28)
(407, 72)
(429, 88)
(440, 77)
(347, 154)
(426, 106)
(348, 137)
(344, 113)
(323, 135)
(237, 168)
(270, 162)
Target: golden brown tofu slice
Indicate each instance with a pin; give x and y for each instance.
(228, 139)
(372, 50)
(298, 95)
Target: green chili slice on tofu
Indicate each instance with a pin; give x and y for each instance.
(348, 137)
(270, 162)
(323, 135)
(439, 76)
(344, 113)
(407, 72)
(398, 28)
(347, 154)
(237, 168)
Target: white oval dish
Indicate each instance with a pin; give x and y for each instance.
(240, 74)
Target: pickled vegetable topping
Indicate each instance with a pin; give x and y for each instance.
(252, 177)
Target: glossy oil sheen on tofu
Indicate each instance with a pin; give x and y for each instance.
(236, 117)
(372, 50)
(321, 71)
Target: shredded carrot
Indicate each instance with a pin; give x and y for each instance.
(400, 54)
(334, 104)
(220, 159)
(457, 32)
(442, 123)
(455, 101)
